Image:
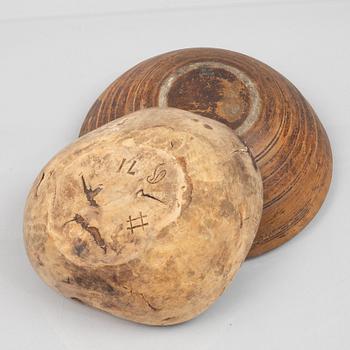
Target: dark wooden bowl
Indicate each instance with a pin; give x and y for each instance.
(269, 114)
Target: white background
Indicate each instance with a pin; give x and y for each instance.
(57, 56)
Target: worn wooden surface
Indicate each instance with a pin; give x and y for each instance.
(148, 217)
(270, 115)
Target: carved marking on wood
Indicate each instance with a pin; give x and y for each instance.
(130, 172)
(157, 175)
(143, 194)
(142, 223)
(132, 165)
(121, 165)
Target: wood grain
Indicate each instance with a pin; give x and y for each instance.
(148, 217)
(270, 115)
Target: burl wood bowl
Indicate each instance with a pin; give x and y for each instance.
(148, 218)
(266, 111)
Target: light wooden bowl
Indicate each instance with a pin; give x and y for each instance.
(147, 218)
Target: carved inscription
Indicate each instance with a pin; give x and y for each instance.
(157, 176)
(130, 169)
(138, 221)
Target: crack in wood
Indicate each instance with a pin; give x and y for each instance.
(90, 193)
(94, 231)
(37, 187)
(148, 303)
(130, 290)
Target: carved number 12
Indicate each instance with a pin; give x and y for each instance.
(130, 172)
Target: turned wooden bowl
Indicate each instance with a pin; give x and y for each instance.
(266, 111)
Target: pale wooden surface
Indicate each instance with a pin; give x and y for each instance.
(148, 218)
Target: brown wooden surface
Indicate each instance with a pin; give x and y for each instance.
(269, 114)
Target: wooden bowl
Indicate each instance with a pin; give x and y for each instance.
(147, 218)
(268, 113)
